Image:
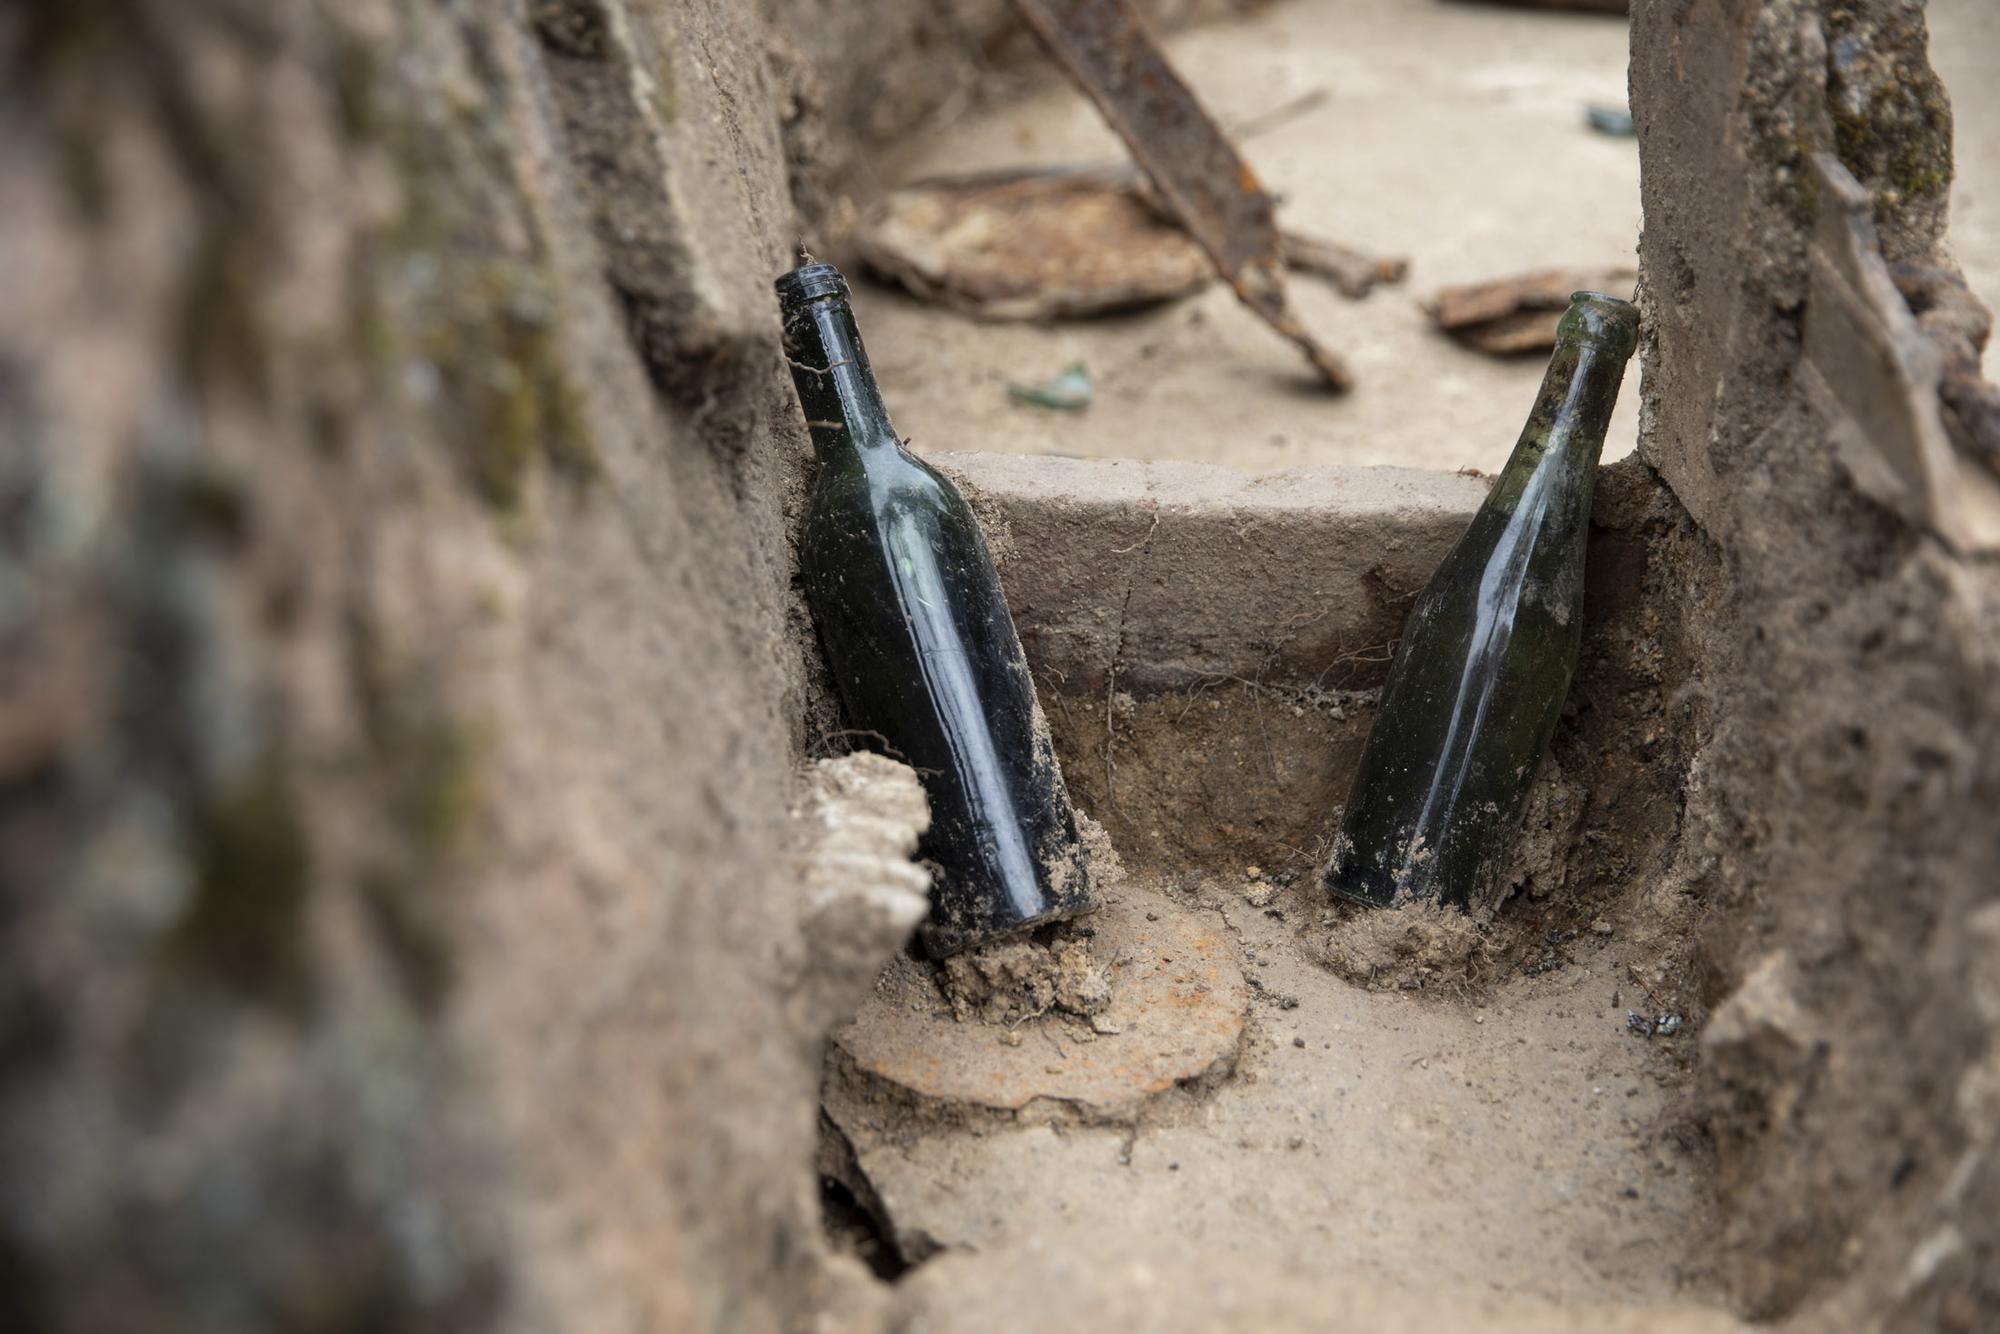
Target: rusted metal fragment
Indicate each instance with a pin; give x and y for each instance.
(1518, 314)
(1876, 378)
(1064, 242)
(1196, 171)
(1031, 247)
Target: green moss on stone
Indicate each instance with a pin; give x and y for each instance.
(1892, 123)
(458, 302)
(406, 920)
(444, 786)
(495, 346)
(356, 74)
(435, 776)
(252, 867)
(577, 28)
(223, 338)
(666, 94)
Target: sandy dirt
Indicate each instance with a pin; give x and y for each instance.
(1451, 133)
(1514, 1139)
(1451, 1109)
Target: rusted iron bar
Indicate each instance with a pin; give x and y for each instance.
(1196, 171)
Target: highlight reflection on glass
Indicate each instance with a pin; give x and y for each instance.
(921, 644)
(1490, 645)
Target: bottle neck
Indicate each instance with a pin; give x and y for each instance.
(830, 370)
(1571, 416)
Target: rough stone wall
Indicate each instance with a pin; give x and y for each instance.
(400, 694)
(1843, 803)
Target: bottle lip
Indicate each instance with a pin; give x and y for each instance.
(1601, 319)
(810, 282)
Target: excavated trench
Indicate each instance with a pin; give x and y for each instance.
(1688, 1061)
(1220, 1061)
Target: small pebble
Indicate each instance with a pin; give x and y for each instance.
(1010, 1039)
(1298, 1042)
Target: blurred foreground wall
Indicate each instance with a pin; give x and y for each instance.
(401, 675)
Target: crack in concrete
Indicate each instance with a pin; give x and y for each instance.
(1144, 546)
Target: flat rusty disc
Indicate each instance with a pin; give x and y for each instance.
(1031, 247)
(1178, 1003)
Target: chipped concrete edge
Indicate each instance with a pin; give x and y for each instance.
(1159, 574)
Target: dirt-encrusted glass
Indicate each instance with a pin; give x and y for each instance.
(921, 644)
(1487, 653)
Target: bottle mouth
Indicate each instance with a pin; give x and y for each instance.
(810, 282)
(1602, 320)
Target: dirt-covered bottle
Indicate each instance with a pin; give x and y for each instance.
(1489, 647)
(921, 644)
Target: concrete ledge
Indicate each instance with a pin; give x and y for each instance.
(1183, 572)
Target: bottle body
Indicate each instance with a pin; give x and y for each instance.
(1489, 647)
(922, 647)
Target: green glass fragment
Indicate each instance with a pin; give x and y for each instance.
(1071, 391)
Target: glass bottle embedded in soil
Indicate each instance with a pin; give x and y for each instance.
(1489, 647)
(921, 644)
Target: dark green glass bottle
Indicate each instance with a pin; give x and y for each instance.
(1489, 647)
(920, 641)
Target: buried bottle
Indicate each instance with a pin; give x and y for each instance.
(1489, 647)
(921, 644)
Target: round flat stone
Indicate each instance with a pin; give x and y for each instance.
(1177, 1011)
